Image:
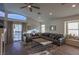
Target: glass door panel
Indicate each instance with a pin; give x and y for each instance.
(17, 32)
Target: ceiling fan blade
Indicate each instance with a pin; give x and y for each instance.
(23, 6)
(28, 3)
(36, 7)
(63, 3)
(30, 9)
(31, 3)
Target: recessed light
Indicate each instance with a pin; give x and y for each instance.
(50, 13)
(73, 5)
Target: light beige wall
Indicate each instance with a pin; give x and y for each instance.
(59, 26)
(59, 22)
(33, 23)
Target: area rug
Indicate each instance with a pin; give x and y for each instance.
(42, 53)
(34, 47)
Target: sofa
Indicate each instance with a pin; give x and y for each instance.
(57, 39)
(73, 42)
(28, 37)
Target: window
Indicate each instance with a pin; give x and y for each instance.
(73, 28)
(13, 16)
(2, 14)
(73, 25)
(16, 16)
(43, 28)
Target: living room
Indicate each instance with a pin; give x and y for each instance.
(40, 28)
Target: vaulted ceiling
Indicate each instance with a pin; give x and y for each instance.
(56, 10)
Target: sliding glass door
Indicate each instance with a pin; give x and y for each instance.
(17, 32)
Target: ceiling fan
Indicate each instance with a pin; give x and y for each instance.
(30, 6)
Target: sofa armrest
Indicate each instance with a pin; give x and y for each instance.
(61, 39)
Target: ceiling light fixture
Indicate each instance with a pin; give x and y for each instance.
(50, 13)
(29, 6)
(73, 5)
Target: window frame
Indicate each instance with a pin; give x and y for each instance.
(73, 29)
(23, 18)
(16, 16)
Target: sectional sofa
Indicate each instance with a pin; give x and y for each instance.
(57, 39)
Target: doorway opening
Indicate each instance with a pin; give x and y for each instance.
(17, 32)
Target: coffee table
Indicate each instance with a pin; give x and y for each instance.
(43, 41)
